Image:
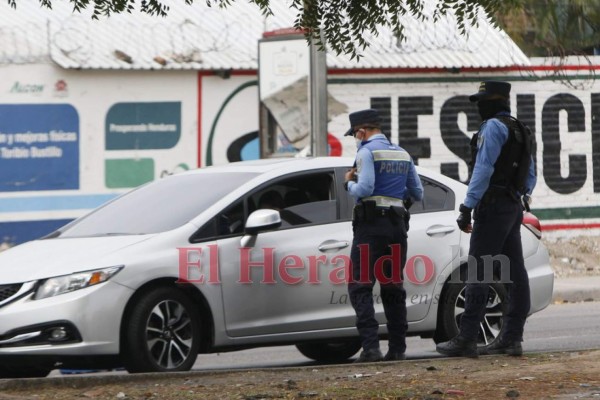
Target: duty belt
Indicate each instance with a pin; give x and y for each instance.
(368, 210)
(384, 201)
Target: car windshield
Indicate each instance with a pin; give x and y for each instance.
(158, 206)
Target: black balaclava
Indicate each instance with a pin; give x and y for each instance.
(488, 108)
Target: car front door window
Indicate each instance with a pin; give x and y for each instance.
(301, 200)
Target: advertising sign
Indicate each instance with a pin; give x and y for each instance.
(39, 147)
(143, 126)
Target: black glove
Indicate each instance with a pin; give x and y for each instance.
(525, 201)
(464, 218)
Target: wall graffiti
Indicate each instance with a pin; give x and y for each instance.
(434, 120)
(562, 179)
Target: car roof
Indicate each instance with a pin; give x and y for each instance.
(270, 164)
(295, 164)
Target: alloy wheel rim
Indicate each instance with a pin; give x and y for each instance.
(169, 334)
(491, 325)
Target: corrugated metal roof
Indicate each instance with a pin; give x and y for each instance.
(201, 38)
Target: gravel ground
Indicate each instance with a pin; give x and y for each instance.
(534, 376)
(574, 256)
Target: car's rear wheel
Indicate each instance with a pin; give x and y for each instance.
(452, 306)
(24, 372)
(162, 333)
(330, 352)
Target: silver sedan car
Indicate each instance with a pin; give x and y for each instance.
(222, 258)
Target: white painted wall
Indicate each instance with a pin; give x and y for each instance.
(228, 110)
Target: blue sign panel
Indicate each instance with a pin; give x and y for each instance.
(39, 147)
(143, 126)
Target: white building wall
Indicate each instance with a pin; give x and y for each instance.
(430, 115)
(46, 191)
(217, 119)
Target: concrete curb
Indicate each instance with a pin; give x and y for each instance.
(84, 381)
(576, 289)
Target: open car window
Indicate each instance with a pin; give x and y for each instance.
(300, 199)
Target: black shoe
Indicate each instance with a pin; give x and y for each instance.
(394, 356)
(458, 347)
(500, 346)
(371, 355)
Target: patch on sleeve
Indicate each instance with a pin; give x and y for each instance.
(479, 140)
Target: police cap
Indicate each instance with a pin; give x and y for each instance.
(492, 90)
(367, 117)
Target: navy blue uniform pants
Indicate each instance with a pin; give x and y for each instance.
(497, 236)
(373, 240)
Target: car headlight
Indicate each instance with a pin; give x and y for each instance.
(67, 283)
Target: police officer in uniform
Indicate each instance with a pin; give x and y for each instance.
(384, 176)
(503, 172)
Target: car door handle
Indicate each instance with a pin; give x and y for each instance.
(333, 245)
(440, 229)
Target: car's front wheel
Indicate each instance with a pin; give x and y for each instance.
(452, 307)
(330, 352)
(162, 333)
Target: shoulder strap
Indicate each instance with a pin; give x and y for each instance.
(513, 125)
(522, 133)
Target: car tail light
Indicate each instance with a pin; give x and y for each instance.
(532, 223)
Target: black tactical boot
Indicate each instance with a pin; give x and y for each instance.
(371, 355)
(458, 347)
(502, 346)
(394, 356)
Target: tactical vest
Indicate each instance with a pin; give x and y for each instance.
(391, 164)
(512, 166)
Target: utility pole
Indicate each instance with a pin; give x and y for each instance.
(318, 99)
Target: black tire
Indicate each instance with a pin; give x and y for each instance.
(330, 352)
(452, 304)
(162, 333)
(24, 372)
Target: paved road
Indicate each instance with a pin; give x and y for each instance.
(564, 327)
(557, 328)
(560, 327)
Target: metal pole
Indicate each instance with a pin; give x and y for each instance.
(318, 100)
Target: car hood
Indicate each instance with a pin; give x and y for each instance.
(45, 258)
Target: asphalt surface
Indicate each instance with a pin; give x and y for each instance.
(576, 289)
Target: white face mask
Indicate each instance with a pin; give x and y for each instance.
(358, 141)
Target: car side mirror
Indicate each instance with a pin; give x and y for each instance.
(262, 220)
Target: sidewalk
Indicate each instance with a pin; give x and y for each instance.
(578, 288)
